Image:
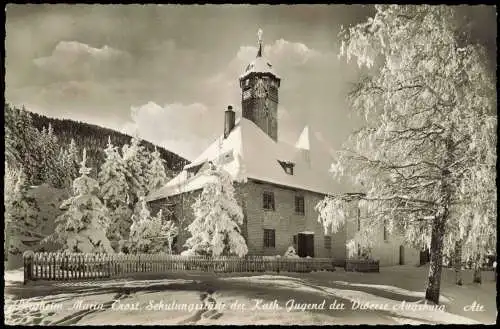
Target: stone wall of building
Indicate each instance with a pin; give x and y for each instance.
(285, 221)
(387, 251)
(394, 250)
(286, 224)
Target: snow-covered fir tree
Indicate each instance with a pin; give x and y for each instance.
(150, 234)
(10, 178)
(215, 229)
(156, 173)
(65, 177)
(145, 159)
(14, 144)
(49, 147)
(72, 161)
(34, 157)
(61, 156)
(21, 213)
(136, 168)
(425, 159)
(11, 153)
(83, 225)
(114, 191)
(22, 143)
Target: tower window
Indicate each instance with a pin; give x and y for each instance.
(247, 93)
(247, 82)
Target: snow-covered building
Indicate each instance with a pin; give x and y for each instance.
(278, 184)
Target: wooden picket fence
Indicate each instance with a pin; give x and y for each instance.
(362, 265)
(80, 266)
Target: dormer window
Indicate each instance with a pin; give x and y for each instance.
(287, 166)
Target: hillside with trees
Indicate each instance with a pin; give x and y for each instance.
(60, 196)
(95, 138)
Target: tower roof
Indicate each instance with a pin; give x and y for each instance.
(260, 64)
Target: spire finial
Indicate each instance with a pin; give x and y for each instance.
(259, 34)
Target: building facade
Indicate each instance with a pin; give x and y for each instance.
(277, 184)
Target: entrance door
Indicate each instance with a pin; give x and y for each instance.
(401, 255)
(305, 245)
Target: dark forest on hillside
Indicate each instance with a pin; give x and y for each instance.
(95, 138)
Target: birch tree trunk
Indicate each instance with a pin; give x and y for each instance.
(477, 270)
(438, 227)
(428, 144)
(457, 262)
(436, 262)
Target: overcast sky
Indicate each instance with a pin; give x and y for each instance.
(168, 72)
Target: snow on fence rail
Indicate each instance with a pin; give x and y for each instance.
(362, 265)
(78, 266)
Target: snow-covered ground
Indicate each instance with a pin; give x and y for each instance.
(393, 296)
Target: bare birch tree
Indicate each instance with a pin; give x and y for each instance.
(426, 156)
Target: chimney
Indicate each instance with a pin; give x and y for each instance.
(229, 120)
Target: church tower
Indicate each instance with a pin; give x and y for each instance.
(259, 93)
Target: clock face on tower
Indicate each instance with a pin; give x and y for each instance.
(247, 93)
(260, 88)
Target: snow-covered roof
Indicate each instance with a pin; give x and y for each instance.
(249, 153)
(259, 65)
(303, 141)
